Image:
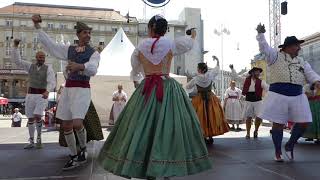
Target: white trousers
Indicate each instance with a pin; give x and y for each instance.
(279, 108)
(35, 105)
(73, 103)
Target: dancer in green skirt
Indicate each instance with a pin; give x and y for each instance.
(158, 133)
(313, 130)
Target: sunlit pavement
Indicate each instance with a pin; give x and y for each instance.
(233, 157)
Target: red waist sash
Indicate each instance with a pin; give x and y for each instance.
(77, 83)
(36, 91)
(314, 98)
(152, 81)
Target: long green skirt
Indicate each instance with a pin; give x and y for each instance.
(154, 139)
(313, 130)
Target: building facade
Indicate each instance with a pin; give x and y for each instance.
(311, 51)
(13, 84)
(59, 21)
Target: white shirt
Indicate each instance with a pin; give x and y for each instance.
(178, 46)
(203, 80)
(60, 51)
(17, 117)
(120, 95)
(230, 92)
(252, 88)
(16, 58)
(272, 56)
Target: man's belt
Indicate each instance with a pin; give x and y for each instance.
(36, 90)
(77, 83)
(233, 97)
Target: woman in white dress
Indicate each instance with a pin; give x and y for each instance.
(232, 106)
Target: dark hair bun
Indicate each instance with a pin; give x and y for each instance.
(203, 67)
(158, 24)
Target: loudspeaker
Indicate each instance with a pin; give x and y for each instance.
(284, 8)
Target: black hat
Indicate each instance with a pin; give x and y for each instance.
(255, 69)
(290, 40)
(80, 26)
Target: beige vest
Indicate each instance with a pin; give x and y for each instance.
(38, 78)
(287, 70)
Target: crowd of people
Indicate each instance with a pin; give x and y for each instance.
(158, 131)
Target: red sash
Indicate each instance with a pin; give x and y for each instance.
(77, 83)
(36, 90)
(152, 81)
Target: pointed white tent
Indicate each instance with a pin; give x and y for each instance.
(115, 57)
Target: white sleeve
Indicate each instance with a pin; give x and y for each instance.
(91, 67)
(226, 94)
(182, 45)
(57, 50)
(16, 58)
(114, 94)
(51, 79)
(310, 75)
(125, 95)
(137, 70)
(240, 93)
(271, 53)
(191, 84)
(214, 72)
(265, 86)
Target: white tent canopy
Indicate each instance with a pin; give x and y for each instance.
(116, 56)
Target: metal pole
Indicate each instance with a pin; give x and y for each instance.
(222, 77)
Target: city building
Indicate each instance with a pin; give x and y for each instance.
(13, 84)
(59, 21)
(311, 51)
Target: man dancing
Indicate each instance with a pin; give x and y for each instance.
(41, 82)
(286, 99)
(75, 99)
(252, 89)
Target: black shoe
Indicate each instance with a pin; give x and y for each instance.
(211, 140)
(255, 134)
(232, 128)
(239, 129)
(82, 156)
(71, 164)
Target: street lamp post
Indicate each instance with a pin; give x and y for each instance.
(220, 33)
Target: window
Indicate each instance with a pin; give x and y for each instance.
(22, 50)
(63, 26)
(23, 24)
(311, 52)
(76, 41)
(101, 43)
(8, 48)
(95, 27)
(8, 36)
(50, 26)
(35, 42)
(101, 28)
(22, 36)
(114, 29)
(126, 29)
(9, 23)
